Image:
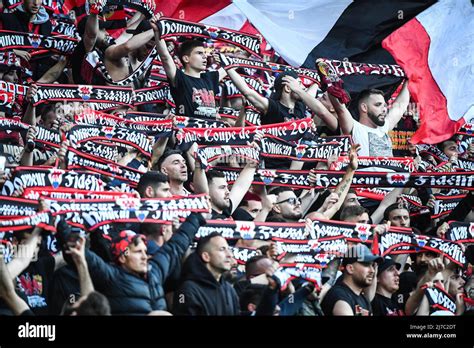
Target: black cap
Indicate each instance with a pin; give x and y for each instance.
(360, 253)
(386, 263)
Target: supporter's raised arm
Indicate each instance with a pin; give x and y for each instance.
(18, 264)
(388, 200)
(92, 25)
(434, 266)
(27, 157)
(165, 56)
(172, 252)
(242, 184)
(315, 105)
(260, 102)
(7, 290)
(132, 24)
(399, 107)
(341, 189)
(344, 117)
(78, 255)
(116, 52)
(29, 116)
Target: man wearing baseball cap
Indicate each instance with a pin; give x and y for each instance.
(349, 296)
(388, 279)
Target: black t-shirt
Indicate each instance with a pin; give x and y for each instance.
(384, 306)
(277, 112)
(197, 95)
(33, 283)
(341, 292)
(242, 215)
(226, 214)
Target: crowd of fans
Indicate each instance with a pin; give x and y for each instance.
(172, 267)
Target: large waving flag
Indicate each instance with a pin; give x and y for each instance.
(302, 31)
(436, 50)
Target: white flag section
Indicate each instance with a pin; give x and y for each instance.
(229, 17)
(293, 28)
(450, 26)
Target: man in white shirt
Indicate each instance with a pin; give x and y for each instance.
(371, 132)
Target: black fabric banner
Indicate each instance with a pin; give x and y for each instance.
(153, 211)
(287, 272)
(42, 220)
(139, 116)
(397, 164)
(333, 245)
(444, 205)
(181, 122)
(153, 95)
(327, 179)
(137, 140)
(242, 255)
(440, 300)
(461, 232)
(13, 206)
(208, 154)
(439, 155)
(277, 148)
(254, 230)
(36, 193)
(344, 68)
(252, 116)
(10, 40)
(77, 160)
(156, 127)
(36, 177)
(146, 7)
(101, 150)
(10, 93)
(48, 93)
(172, 27)
(48, 137)
(289, 131)
(390, 241)
(234, 62)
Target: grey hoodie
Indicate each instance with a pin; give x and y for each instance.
(41, 17)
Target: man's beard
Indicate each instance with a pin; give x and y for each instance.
(225, 204)
(362, 282)
(420, 270)
(374, 118)
(293, 216)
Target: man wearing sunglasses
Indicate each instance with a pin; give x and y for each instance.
(287, 207)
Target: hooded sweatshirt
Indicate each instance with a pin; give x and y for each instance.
(20, 21)
(201, 294)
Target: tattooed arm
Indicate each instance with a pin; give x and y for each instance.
(343, 188)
